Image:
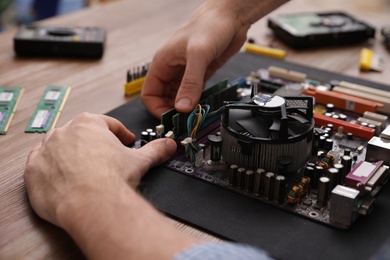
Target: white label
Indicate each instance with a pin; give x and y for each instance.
(52, 95)
(364, 169)
(40, 119)
(6, 96)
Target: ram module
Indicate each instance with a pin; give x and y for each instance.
(9, 99)
(50, 106)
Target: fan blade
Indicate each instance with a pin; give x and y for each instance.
(299, 118)
(258, 127)
(297, 124)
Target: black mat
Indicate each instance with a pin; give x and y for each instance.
(238, 218)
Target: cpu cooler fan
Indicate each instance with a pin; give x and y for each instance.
(260, 131)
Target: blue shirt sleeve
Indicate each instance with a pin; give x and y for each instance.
(225, 250)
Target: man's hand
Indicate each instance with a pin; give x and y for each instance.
(213, 34)
(180, 68)
(81, 178)
(85, 157)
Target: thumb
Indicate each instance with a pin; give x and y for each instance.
(155, 153)
(192, 84)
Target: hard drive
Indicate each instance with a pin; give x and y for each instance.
(307, 30)
(84, 42)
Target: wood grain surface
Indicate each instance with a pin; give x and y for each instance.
(135, 29)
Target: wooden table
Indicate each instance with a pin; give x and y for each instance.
(135, 30)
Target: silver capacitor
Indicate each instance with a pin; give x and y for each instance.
(233, 175)
(248, 180)
(323, 192)
(258, 182)
(240, 178)
(269, 185)
(279, 189)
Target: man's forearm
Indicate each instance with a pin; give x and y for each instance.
(119, 224)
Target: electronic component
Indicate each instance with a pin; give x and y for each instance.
(357, 130)
(50, 106)
(9, 99)
(343, 209)
(85, 42)
(378, 148)
(386, 133)
(256, 133)
(307, 30)
(370, 61)
(286, 74)
(376, 95)
(274, 149)
(266, 51)
(135, 79)
(344, 101)
(366, 176)
(323, 192)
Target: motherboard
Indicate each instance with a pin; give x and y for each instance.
(317, 149)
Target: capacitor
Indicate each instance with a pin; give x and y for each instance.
(240, 178)
(318, 171)
(328, 144)
(335, 116)
(144, 135)
(343, 117)
(329, 126)
(215, 147)
(233, 175)
(311, 164)
(323, 192)
(144, 138)
(342, 174)
(365, 124)
(328, 114)
(349, 136)
(248, 180)
(269, 185)
(334, 176)
(316, 143)
(321, 143)
(258, 183)
(328, 130)
(329, 107)
(310, 172)
(152, 136)
(346, 160)
(279, 189)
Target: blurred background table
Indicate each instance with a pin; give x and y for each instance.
(135, 29)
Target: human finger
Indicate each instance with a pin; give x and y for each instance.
(107, 122)
(155, 153)
(119, 130)
(192, 83)
(160, 86)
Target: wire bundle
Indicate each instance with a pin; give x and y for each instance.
(198, 119)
